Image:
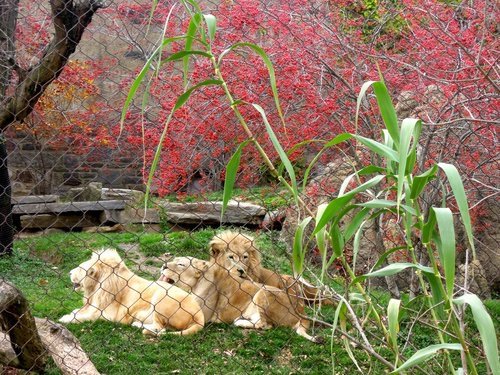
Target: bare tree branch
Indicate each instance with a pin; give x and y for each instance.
(70, 20)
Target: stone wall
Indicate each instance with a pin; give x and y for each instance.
(37, 170)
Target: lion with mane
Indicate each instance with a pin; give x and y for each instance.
(243, 246)
(111, 291)
(227, 294)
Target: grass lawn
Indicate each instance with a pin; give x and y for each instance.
(40, 266)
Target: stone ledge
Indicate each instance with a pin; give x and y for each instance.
(237, 213)
(55, 208)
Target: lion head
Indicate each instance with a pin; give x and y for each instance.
(100, 273)
(183, 271)
(235, 252)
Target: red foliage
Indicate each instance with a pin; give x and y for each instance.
(441, 56)
(71, 112)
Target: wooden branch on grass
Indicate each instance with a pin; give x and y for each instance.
(64, 348)
(17, 321)
(26, 341)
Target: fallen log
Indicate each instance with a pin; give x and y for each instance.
(26, 341)
(17, 321)
(64, 348)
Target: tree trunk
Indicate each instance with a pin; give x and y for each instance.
(70, 19)
(17, 321)
(8, 20)
(6, 222)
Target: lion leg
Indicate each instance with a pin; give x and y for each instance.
(84, 314)
(301, 329)
(196, 325)
(253, 317)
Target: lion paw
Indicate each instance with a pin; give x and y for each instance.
(68, 318)
(150, 329)
(137, 324)
(244, 323)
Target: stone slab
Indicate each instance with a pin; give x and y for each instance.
(237, 213)
(57, 221)
(34, 199)
(55, 208)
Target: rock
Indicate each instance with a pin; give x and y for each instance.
(76, 207)
(92, 192)
(406, 104)
(133, 211)
(321, 189)
(104, 229)
(477, 282)
(135, 196)
(273, 220)
(131, 215)
(209, 213)
(68, 222)
(487, 248)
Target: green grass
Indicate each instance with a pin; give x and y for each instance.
(40, 267)
(178, 243)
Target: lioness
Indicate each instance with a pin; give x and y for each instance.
(227, 295)
(196, 277)
(112, 292)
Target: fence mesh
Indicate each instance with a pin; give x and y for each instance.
(78, 176)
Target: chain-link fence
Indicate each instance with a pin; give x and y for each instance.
(73, 195)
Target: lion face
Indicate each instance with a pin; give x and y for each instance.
(235, 252)
(233, 263)
(184, 272)
(90, 274)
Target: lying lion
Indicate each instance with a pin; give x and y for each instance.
(243, 246)
(226, 295)
(112, 292)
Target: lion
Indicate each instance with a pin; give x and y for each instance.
(111, 291)
(243, 245)
(226, 295)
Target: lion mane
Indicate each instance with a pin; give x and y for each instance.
(241, 244)
(104, 284)
(111, 291)
(228, 295)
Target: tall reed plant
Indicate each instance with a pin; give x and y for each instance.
(393, 187)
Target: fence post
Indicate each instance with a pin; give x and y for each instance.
(6, 222)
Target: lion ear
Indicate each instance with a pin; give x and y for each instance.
(204, 266)
(215, 248)
(91, 272)
(201, 267)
